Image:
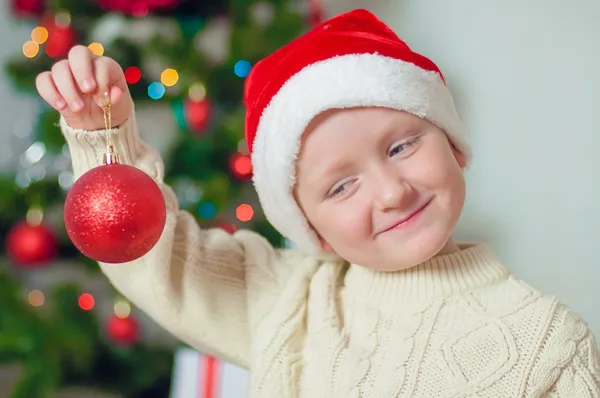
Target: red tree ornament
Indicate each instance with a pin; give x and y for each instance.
(134, 6)
(114, 213)
(197, 114)
(124, 330)
(27, 8)
(31, 245)
(61, 35)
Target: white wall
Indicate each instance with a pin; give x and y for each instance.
(526, 75)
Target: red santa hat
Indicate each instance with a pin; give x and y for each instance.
(351, 60)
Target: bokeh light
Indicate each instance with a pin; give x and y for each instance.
(156, 90)
(86, 301)
(39, 35)
(207, 210)
(169, 77)
(242, 68)
(133, 74)
(36, 298)
(97, 49)
(31, 49)
(244, 212)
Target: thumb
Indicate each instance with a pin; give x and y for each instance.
(111, 96)
(111, 81)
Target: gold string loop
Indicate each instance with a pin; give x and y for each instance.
(110, 157)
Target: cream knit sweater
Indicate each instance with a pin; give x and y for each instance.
(459, 325)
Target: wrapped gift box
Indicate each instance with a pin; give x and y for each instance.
(196, 375)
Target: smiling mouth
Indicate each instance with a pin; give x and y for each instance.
(408, 220)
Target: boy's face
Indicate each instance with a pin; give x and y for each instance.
(382, 188)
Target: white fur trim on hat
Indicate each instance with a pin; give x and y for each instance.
(340, 82)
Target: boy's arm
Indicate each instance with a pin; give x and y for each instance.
(580, 377)
(194, 282)
(569, 362)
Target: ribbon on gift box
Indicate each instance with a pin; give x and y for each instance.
(196, 375)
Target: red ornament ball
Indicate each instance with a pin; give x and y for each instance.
(123, 330)
(115, 213)
(27, 8)
(131, 6)
(31, 245)
(61, 38)
(197, 114)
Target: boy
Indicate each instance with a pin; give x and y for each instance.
(358, 158)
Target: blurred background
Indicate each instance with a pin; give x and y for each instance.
(525, 81)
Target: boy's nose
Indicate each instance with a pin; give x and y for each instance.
(392, 193)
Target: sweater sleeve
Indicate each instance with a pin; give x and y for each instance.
(204, 286)
(581, 376)
(568, 364)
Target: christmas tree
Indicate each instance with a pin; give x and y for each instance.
(185, 63)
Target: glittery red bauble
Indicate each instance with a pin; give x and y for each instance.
(31, 245)
(115, 213)
(197, 114)
(123, 330)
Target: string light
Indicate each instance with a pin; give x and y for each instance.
(62, 19)
(241, 165)
(207, 210)
(39, 35)
(86, 302)
(36, 298)
(97, 49)
(65, 179)
(156, 90)
(33, 154)
(197, 92)
(122, 309)
(169, 77)
(34, 216)
(133, 74)
(244, 212)
(242, 68)
(31, 49)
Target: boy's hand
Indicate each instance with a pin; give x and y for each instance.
(77, 88)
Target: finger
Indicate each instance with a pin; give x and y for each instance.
(48, 91)
(65, 83)
(110, 80)
(80, 60)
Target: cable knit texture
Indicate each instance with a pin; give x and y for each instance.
(459, 325)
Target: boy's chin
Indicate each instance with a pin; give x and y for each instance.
(402, 256)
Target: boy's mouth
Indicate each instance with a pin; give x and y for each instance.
(407, 220)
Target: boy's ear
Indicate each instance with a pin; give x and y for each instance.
(460, 158)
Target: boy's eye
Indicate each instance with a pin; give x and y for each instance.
(339, 189)
(403, 146)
